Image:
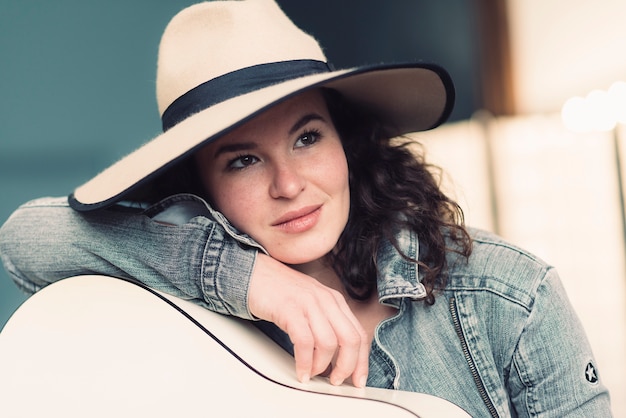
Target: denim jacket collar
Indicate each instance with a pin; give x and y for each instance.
(397, 276)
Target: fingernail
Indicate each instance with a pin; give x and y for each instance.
(336, 381)
(305, 378)
(362, 381)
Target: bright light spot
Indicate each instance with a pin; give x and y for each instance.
(599, 111)
(570, 113)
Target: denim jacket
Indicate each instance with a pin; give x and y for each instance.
(501, 339)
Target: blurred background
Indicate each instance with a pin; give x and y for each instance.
(533, 150)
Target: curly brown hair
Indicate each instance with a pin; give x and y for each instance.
(392, 188)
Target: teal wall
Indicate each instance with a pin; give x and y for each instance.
(76, 93)
(77, 78)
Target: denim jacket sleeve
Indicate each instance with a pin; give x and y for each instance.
(536, 343)
(554, 373)
(45, 240)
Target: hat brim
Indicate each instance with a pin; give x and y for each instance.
(407, 98)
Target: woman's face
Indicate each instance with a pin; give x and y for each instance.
(282, 178)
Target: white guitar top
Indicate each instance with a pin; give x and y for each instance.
(95, 346)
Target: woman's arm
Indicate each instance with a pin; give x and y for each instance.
(554, 373)
(45, 240)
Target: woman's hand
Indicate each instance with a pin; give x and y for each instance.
(323, 329)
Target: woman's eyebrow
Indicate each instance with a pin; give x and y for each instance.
(246, 146)
(240, 146)
(304, 120)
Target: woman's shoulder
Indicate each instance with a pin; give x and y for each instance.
(497, 267)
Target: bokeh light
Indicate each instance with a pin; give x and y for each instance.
(599, 111)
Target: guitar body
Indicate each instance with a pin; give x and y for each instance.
(95, 346)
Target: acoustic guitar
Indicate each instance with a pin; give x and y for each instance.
(95, 346)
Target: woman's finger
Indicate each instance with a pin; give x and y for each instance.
(353, 346)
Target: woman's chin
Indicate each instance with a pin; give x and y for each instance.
(301, 252)
(299, 260)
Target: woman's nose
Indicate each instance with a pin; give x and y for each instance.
(287, 181)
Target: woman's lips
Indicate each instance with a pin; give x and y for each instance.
(300, 220)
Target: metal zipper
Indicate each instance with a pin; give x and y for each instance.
(470, 362)
(396, 379)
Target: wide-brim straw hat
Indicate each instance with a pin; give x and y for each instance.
(223, 62)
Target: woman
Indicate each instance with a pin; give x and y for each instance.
(319, 223)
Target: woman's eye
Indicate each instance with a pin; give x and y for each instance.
(308, 138)
(242, 162)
